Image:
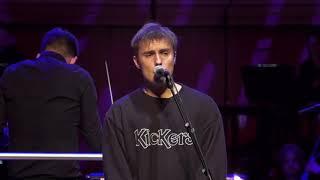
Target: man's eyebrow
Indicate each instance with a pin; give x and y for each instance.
(165, 49)
(148, 52)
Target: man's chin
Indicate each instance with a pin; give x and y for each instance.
(158, 84)
(161, 81)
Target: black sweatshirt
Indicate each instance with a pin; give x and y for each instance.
(145, 138)
(47, 102)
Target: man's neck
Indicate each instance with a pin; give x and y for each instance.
(161, 92)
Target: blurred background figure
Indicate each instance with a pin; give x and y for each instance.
(290, 163)
(312, 169)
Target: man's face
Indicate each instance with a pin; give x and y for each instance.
(291, 165)
(153, 53)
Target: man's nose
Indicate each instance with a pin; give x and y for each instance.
(158, 60)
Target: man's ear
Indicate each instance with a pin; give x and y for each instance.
(174, 57)
(73, 60)
(136, 63)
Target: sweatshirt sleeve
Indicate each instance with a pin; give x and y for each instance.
(213, 145)
(115, 163)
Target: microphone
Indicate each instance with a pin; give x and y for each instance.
(160, 71)
(160, 74)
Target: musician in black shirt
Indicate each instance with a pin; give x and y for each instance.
(46, 102)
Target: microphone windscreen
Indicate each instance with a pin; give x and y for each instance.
(160, 73)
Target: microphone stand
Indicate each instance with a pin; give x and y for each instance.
(187, 124)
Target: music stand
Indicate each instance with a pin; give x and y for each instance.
(268, 82)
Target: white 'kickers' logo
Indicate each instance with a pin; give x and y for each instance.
(165, 137)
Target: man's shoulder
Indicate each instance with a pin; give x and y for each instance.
(195, 94)
(79, 70)
(125, 102)
(126, 99)
(77, 73)
(194, 97)
(18, 65)
(56, 64)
